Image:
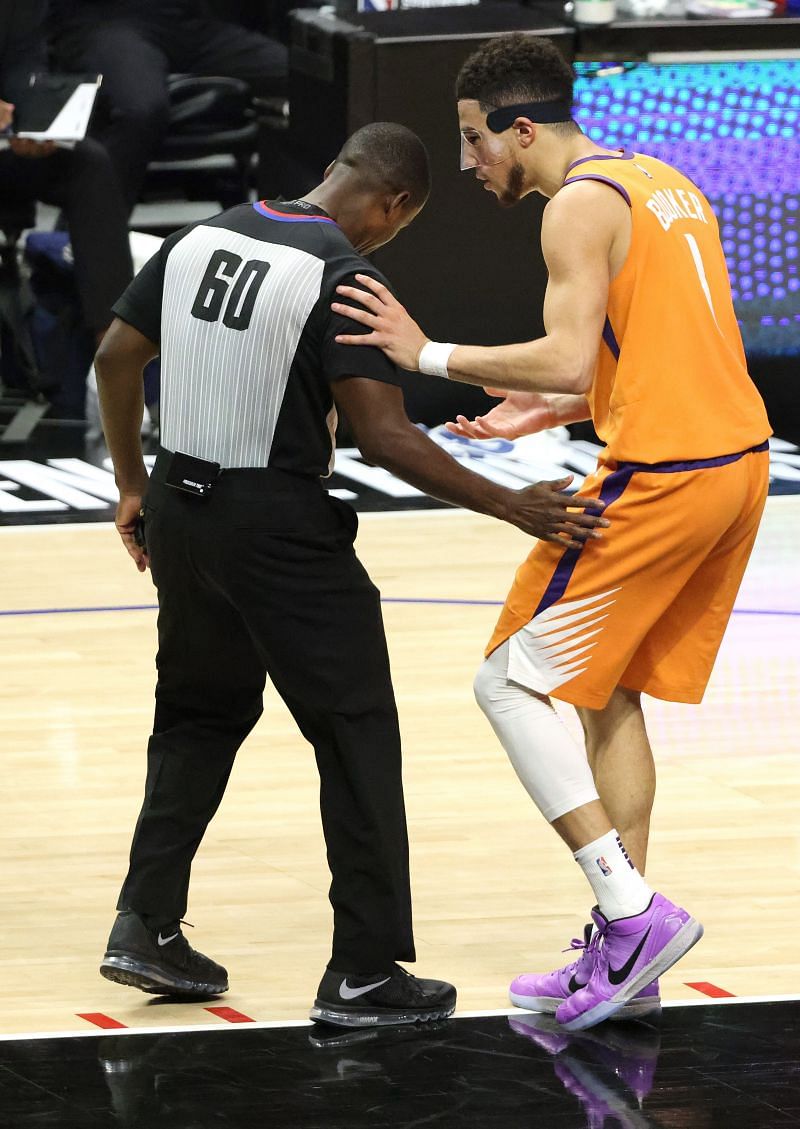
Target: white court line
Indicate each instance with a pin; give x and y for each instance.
(45, 528)
(37, 528)
(699, 1001)
(96, 1032)
(694, 1001)
(261, 1025)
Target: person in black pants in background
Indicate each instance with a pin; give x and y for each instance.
(135, 45)
(254, 561)
(81, 181)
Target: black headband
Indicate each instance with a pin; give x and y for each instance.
(545, 113)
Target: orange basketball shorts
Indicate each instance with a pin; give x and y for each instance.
(645, 607)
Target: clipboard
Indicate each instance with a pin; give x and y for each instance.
(55, 107)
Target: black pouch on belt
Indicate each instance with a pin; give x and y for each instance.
(191, 475)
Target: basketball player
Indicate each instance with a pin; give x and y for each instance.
(254, 560)
(641, 337)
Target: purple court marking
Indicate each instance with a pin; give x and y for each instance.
(76, 611)
(762, 611)
(443, 600)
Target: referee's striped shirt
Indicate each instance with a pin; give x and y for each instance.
(240, 305)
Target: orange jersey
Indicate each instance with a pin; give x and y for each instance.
(671, 380)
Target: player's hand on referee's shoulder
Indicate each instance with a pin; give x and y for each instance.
(392, 327)
(565, 519)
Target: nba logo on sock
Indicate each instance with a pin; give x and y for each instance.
(604, 867)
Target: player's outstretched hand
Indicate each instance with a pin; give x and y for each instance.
(520, 413)
(393, 329)
(543, 511)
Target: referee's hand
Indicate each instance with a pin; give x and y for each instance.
(545, 512)
(125, 521)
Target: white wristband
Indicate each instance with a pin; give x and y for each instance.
(433, 358)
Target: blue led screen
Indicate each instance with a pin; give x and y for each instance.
(732, 127)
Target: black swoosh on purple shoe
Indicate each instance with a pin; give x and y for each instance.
(618, 975)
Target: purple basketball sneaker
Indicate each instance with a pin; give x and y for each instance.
(632, 953)
(547, 991)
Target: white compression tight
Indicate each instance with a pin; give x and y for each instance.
(549, 762)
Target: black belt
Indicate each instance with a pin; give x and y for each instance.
(199, 477)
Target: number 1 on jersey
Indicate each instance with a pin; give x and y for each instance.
(701, 272)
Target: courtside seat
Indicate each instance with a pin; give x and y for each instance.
(209, 149)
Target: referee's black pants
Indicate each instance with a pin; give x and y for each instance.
(260, 579)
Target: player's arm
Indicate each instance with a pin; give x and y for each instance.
(386, 437)
(579, 227)
(522, 413)
(119, 363)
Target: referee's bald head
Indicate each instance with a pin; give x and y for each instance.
(389, 157)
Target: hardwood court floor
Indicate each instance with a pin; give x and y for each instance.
(495, 891)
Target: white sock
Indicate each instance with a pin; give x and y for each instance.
(618, 886)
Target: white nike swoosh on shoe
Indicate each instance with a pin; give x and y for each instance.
(348, 993)
(166, 940)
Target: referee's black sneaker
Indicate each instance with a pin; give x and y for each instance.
(159, 961)
(377, 999)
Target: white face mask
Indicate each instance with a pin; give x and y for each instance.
(481, 151)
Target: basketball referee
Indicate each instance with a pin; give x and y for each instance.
(254, 562)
